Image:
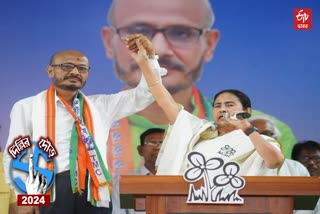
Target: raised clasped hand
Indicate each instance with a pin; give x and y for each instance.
(139, 45)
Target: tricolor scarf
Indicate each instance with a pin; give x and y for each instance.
(84, 153)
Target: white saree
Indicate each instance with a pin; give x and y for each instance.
(189, 133)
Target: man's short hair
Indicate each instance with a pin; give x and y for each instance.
(148, 132)
(308, 145)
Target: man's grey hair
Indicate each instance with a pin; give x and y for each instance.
(276, 133)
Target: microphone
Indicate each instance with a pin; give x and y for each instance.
(241, 115)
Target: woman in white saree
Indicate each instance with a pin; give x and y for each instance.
(229, 137)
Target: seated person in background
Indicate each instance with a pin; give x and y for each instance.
(150, 143)
(308, 153)
(267, 127)
(257, 154)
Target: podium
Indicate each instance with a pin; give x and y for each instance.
(261, 194)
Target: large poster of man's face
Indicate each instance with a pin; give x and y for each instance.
(260, 50)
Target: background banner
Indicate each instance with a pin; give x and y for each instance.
(260, 52)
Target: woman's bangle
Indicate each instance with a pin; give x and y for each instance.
(153, 56)
(155, 83)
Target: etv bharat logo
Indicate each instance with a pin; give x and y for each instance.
(302, 19)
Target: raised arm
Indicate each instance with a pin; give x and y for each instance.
(141, 49)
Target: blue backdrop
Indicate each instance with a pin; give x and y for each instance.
(259, 53)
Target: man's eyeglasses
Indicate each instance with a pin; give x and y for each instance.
(178, 35)
(306, 159)
(153, 143)
(69, 67)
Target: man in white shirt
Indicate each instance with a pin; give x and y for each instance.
(150, 143)
(308, 153)
(78, 128)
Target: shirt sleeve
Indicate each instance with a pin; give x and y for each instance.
(20, 125)
(124, 103)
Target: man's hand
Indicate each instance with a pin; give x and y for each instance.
(35, 183)
(141, 50)
(144, 41)
(138, 52)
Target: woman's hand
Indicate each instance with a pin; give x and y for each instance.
(141, 48)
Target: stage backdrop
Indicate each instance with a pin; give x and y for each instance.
(259, 53)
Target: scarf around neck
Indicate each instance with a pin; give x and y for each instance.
(84, 153)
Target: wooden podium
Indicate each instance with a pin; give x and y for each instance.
(262, 194)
